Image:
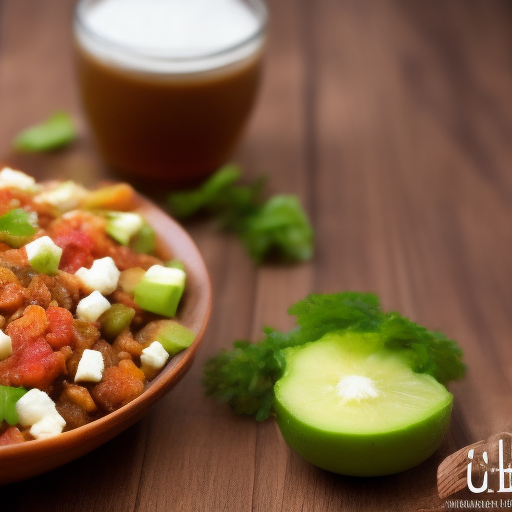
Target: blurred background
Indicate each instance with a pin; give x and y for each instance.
(392, 121)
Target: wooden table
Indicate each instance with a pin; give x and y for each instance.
(393, 123)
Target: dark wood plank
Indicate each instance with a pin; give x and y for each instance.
(393, 123)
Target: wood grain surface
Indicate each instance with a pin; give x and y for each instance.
(393, 123)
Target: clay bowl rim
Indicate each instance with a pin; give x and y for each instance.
(171, 374)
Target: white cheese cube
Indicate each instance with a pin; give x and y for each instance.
(49, 426)
(90, 308)
(66, 196)
(37, 410)
(11, 178)
(102, 276)
(41, 246)
(33, 406)
(91, 366)
(5, 346)
(121, 226)
(155, 356)
(165, 275)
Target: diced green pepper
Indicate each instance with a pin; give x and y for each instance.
(17, 226)
(117, 318)
(174, 337)
(8, 398)
(144, 242)
(160, 290)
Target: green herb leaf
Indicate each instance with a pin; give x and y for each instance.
(186, 203)
(278, 226)
(245, 376)
(319, 314)
(429, 352)
(8, 398)
(55, 132)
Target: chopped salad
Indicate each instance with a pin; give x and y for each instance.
(86, 305)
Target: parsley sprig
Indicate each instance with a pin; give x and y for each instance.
(278, 226)
(245, 376)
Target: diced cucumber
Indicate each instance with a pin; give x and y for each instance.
(115, 320)
(122, 226)
(44, 255)
(144, 242)
(175, 264)
(160, 290)
(174, 337)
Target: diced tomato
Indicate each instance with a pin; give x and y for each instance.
(77, 249)
(33, 365)
(61, 327)
(11, 436)
(33, 324)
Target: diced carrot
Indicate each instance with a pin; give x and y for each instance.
(117, 388)
(129, 366)
(114, 197)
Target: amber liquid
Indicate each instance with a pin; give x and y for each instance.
(176, 128)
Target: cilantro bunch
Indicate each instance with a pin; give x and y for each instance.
(277, 226)
(245, 376)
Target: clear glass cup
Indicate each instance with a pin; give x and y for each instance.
(166, 115)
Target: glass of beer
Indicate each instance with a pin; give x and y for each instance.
(167, 85)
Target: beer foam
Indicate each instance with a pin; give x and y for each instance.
(170, 36)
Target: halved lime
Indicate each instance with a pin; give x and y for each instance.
(348, 407)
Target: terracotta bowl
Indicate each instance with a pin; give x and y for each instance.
(34, 457)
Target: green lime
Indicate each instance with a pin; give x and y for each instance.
(348, 409)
